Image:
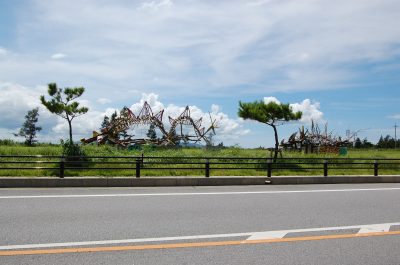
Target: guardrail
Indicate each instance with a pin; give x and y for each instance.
(136, 164)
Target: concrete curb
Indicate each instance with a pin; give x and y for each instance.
(24, 182)
(334, 180)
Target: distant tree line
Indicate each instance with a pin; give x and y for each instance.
(388, 142)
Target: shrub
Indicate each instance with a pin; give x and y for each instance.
(73, 153)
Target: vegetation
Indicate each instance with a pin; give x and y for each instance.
(73, 153)
(63, 104)
(388, 142)
(272, 114)
(29, 128)
(151, 133)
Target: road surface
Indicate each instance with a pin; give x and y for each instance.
(309, 224)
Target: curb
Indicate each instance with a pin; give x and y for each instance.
(48, 182)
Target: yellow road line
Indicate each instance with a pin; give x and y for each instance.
(189, 245)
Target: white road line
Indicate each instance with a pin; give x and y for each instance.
(374, 229)
(267, 235)
(248, 236)
(192, 193)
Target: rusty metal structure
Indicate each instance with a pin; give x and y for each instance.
(127, 120)
(314, 140)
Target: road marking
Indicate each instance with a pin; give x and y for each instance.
(189, 245)
(267, 235)
(192, 193)
(374, 228)
(249, 236)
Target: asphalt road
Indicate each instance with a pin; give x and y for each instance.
(313, 224)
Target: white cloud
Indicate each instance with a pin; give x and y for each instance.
(215, 108)
(155, 5)
(271, 99)
(395, 116)
(82, 126)
(3, 51)
(103, 101)
(58, 56)
(17, 100)
(311, 111)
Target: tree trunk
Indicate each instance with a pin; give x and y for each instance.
(276, 142)
(70, 130)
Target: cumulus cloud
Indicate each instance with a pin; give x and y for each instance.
(58, 56)
(311, 110)
(83, 126)
(15, 101)
(271, 99)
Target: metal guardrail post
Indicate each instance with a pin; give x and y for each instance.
(207, 168)
(138, 168)
(62, 167)
(269, 167)
(325, 168)
(376, 167)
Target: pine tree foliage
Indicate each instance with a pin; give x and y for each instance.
(151, 133)
(62, 103)
(29, 128)
(105, 123)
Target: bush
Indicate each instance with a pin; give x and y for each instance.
(73, 153)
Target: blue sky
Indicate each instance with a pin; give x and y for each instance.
(338, 61)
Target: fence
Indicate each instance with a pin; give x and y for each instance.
(135, 165)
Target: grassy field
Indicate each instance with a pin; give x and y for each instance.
(104, 167)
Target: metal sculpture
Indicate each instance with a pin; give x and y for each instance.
(127, 119)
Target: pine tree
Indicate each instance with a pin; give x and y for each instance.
(357, 143)
(123, 134)
(29, 128)
(62, 103)
(272, 114)
(113, 116)
(151, 133)
(105, 123)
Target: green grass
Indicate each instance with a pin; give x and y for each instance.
(177, 153)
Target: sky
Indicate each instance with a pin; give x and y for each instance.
(336, 61)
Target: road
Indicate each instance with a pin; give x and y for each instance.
(309, 224)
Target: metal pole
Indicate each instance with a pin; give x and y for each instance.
(376, 166)
(269, 167)
(325, 168)
(207, 168)
(395, 136)
(62, 167)
(138, 168)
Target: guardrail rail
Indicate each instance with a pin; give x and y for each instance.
(59, 165)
